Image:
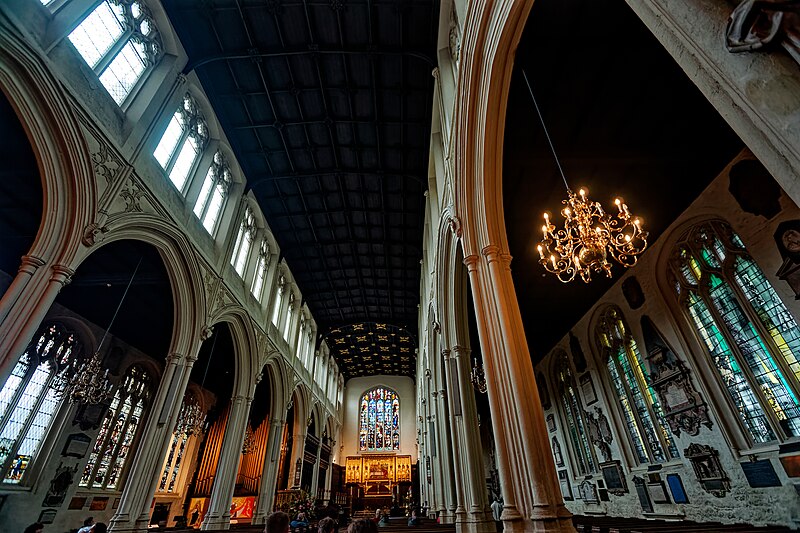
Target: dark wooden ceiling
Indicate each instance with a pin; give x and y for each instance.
(327, 105)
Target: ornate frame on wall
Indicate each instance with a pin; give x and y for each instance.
(683, 406)
(708, 469)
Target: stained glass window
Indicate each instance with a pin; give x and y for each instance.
(182, 142)
(30, 396)
(119, 40)
(577, 432)
(379, 419)
(214, 193)
(647, 427)
(751, 337)
(244, 241)
(117, 433)
(178, 446)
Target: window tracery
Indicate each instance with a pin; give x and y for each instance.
(379, 420)
(123, 418)
(244, 241)
(31, 395)
(261, 270)
(576, 427)
(182, 143)
(644, 418)
(119, 41)
(750, 336)
(214, 193)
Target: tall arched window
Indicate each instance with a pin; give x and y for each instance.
(191, 414)
(380, 421)
(182, 142)
(244, 241)
(212, 196)
(572, 409)
(119, 40)
(118, 431)
(31, 395)
(748, 332)
(257, 288)
(644, 419)
(276, 306)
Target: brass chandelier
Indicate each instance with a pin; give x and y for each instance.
(590, 235)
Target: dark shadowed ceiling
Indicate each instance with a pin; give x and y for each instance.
(327, 105)
(625, 120)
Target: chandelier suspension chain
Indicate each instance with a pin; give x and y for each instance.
(544, 127)
(119, 305)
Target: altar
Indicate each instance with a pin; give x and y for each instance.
(380, 479)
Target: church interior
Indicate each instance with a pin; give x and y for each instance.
(515, 265)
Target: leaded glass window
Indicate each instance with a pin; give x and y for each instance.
(179, 444)
(276, 308)
(261, 270)
(288, 323)
(751, 337)
(214, 193)
(119, 40)
(30, 396)
(117, 433)
(379, 419)
(571, 407)
(244, 241)
(182, 142)
(299, 345)
(646, 425)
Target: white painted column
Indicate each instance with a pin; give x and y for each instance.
(219, 509)
(269, 476)
(298, 450)
(473, 477)
(528, 479)
(447, 505)
(454, 437)
(315, 472)
(133, 513)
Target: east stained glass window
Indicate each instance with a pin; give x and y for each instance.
(30, 396)
(182, 142)
(379, 421)
(119, 41)
(571, 407)
(751, 337)
(644, 418)
(117, 433)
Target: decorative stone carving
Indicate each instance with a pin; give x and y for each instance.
(759, 24)
(708, 470)
(588, 492)
(683, 406)
(94, 234)
(132, 194)
(600, 432)
(787, 238)
(59, 485)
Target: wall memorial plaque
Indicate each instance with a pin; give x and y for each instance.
(614, 478)
(760, 474)
(643, 494)
(791, 464)
(59, 485)
(676, 487)
(588, 492)
(658, 492)
(566, 487)
(551, 423)
(78, 502)
(710, 474)
(587, 389)
(47, 516)
(99, 503)
(77, 445)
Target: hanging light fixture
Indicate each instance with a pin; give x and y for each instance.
(191, 417)
(478, 376)
(590, 235)
(88, 383)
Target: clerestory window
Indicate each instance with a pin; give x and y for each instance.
(751, 338)
(182, 143)
(244, 242)
(214, 193)
(262, 263)
(120, 41)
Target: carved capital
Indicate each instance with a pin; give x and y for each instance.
(62, 274)
(30, 263)
(471, 262)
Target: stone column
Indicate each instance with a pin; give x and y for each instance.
(133, 513)
(269, 477)
(473, 476)
(25, 305)
(448, 501)
(219, 509)
(527, 472)
(298, 451)
(315, 472)
(329, 474)
(454, 437)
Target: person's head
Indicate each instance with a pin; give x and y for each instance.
(362, 526)
(88, 522)
(99, 527)
(326, 525)
(277, 522)
(36, 527)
